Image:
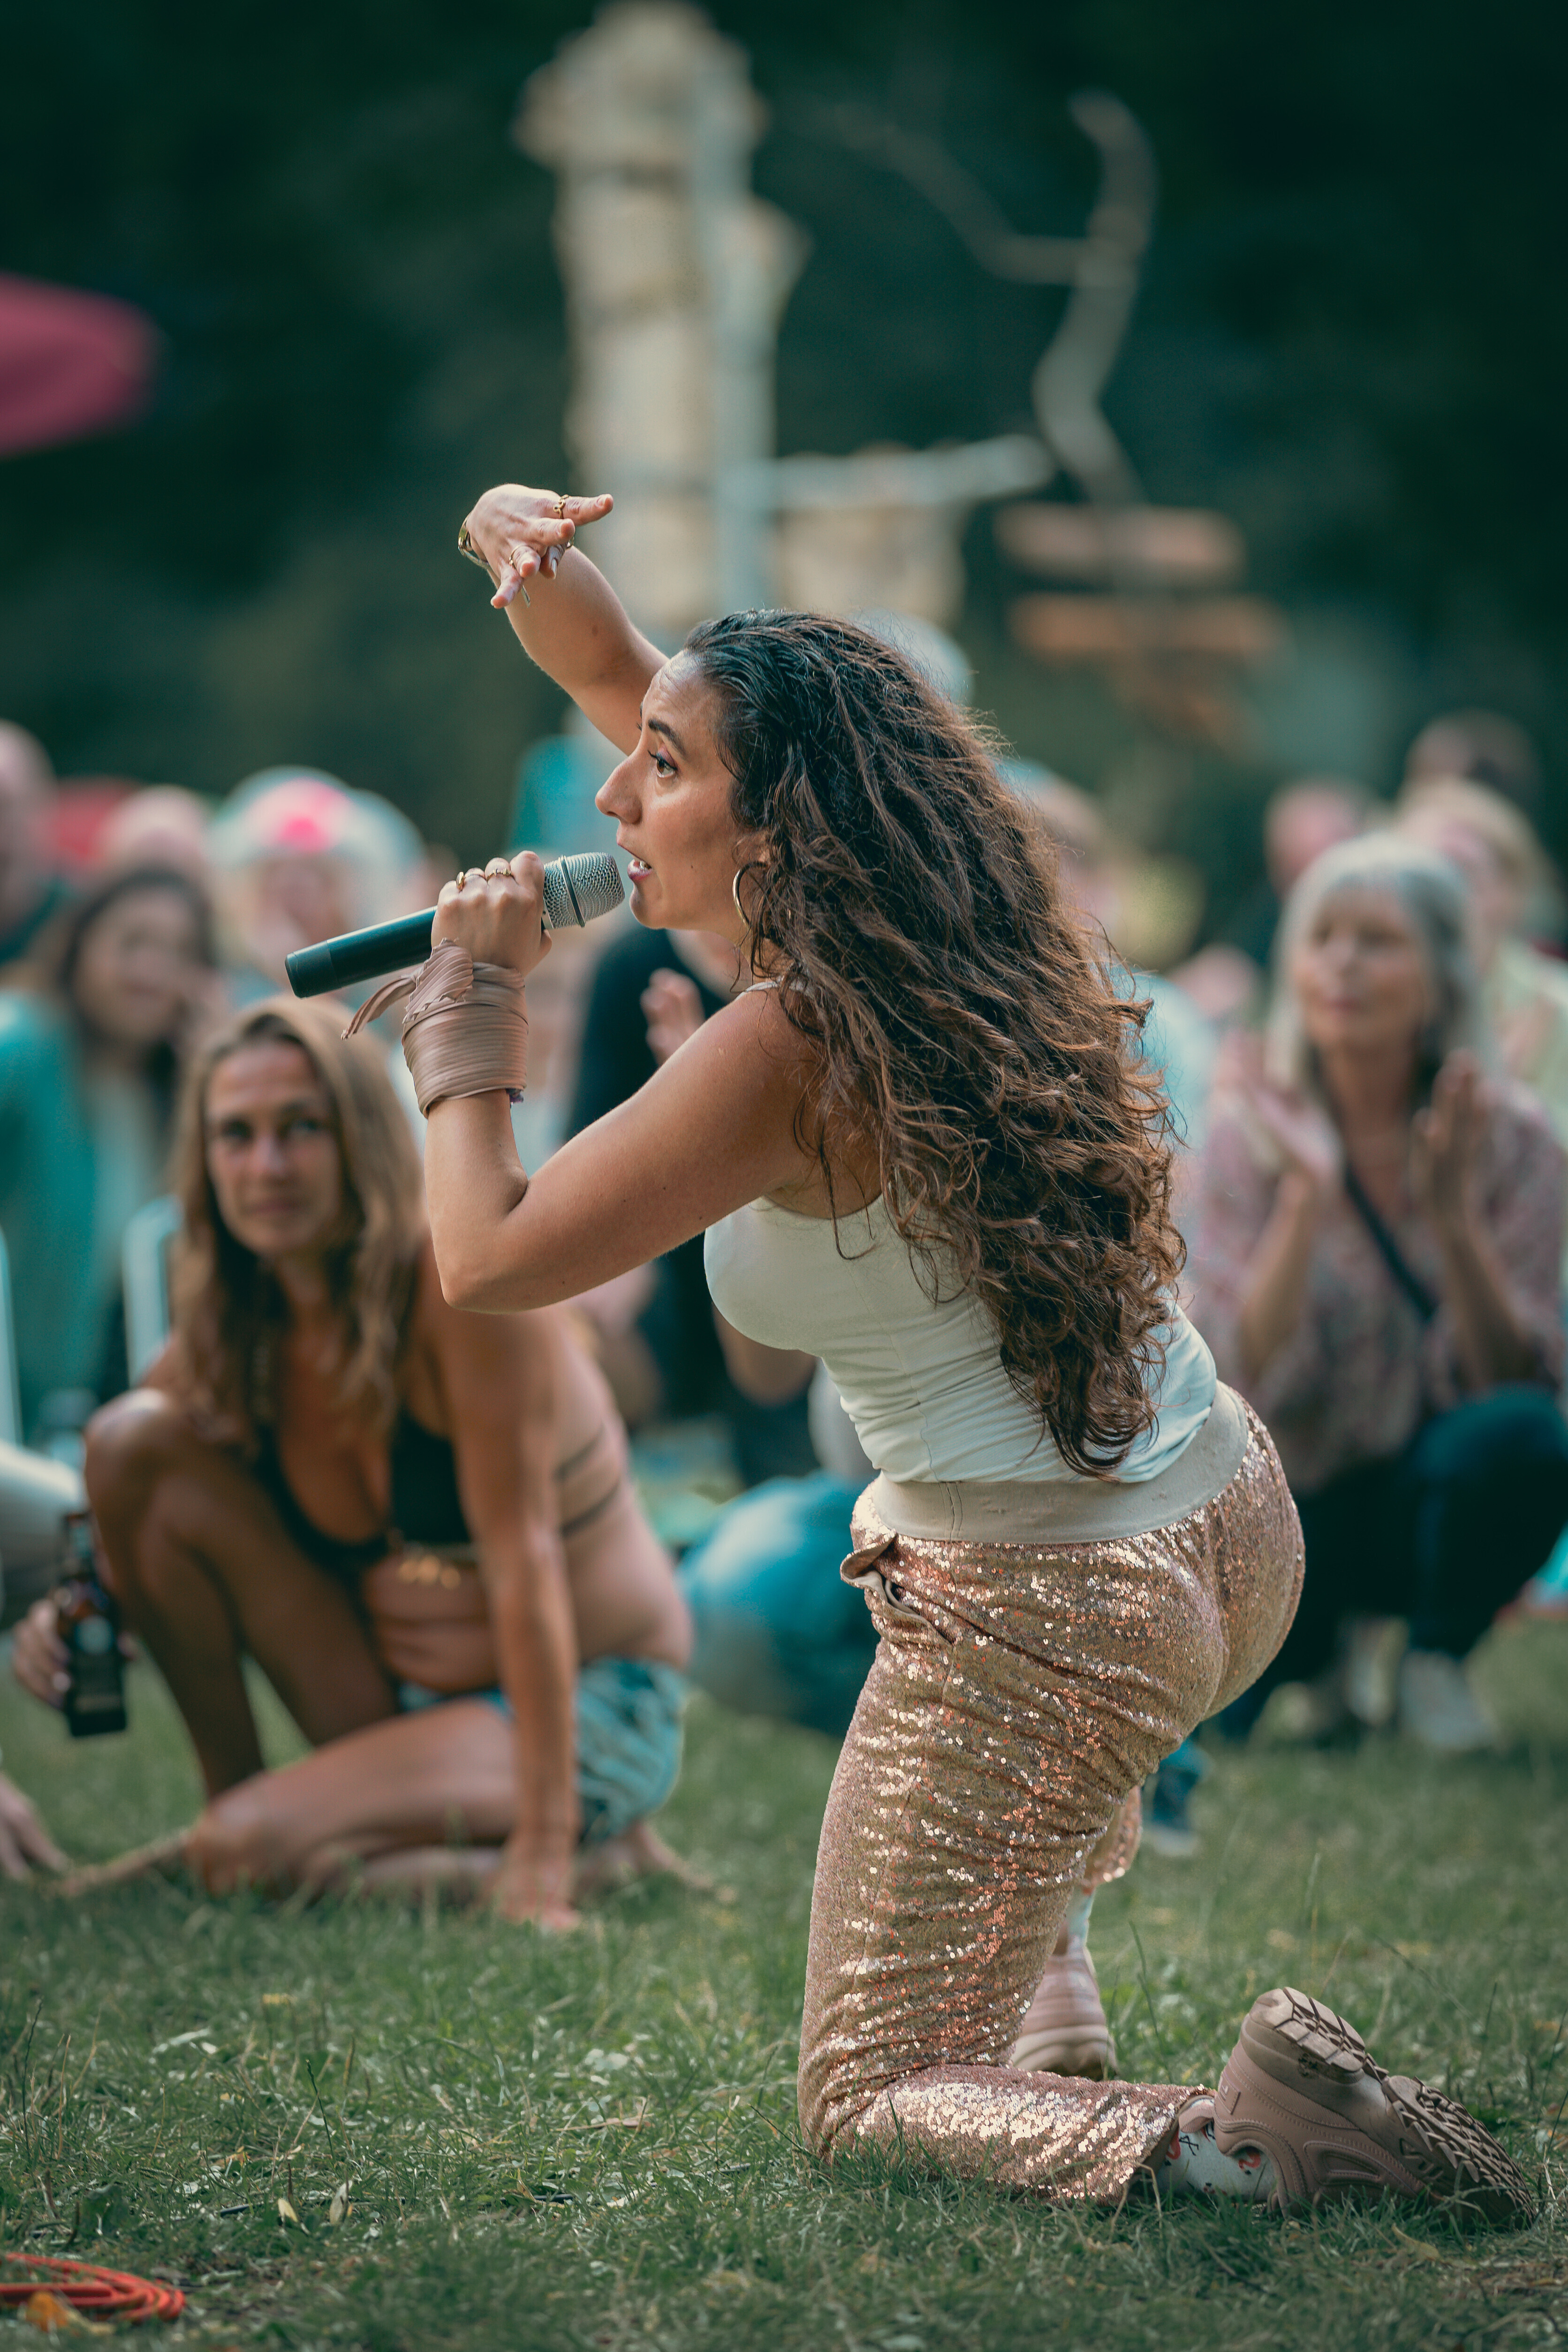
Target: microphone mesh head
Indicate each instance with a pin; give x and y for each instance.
(577, 888)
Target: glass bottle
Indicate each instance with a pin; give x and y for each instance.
(90, 1628)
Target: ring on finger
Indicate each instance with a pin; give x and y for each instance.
(560, 506)
(497, 869)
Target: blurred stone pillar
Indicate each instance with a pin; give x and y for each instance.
(676, 277)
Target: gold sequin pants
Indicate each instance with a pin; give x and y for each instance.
(1020, 1695)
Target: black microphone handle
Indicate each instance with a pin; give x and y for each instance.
(576, 889)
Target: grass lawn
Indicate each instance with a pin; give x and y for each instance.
(591, 2142)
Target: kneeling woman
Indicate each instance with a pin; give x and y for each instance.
(416, 1521)
(921, 1148)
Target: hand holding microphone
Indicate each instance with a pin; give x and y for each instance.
(571, 890)
(497, 915)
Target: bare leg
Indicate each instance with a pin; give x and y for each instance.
(443, 1777)
(204, 1572)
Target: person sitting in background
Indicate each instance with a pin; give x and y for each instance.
(87, 1087)
(660, 1344)
(416, 1521)
(30, 889)
(1524, 993)
(299, 857)
(1374, 1265)
(1301, 821)
(1483, 748)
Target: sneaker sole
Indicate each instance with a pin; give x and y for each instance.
(1291, 2086)
(1087, 2058)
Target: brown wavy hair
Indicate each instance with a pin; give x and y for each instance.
(229, 1311)
(965, 1032)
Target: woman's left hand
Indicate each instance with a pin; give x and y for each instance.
(1445, 1144)
(497, 912)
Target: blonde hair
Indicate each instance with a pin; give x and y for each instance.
(1504, 830)
(229, 1311)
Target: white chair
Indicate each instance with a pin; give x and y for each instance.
(10, 1387)
(144, 1272)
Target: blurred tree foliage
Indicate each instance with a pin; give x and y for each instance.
(1351, 339)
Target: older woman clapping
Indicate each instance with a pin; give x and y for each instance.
(1376, 1269)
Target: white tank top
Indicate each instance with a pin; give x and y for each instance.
(922, 1383)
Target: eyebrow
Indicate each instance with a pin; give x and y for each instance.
(657, 727)
(286, 1110)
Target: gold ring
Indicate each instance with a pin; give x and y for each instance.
(496, 869)
(560, 506)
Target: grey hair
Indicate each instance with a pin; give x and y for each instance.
(1430, 893)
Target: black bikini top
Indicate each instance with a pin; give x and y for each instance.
(426, 1505)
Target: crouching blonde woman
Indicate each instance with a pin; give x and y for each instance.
(416, 1522)
(921, 1148)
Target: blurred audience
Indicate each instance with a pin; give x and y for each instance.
(30, 888)
(299, 857)
(1301, 821)
(1525, 993)
(1483, 748)
(88, 1075)
(661, 1342)
(1375, 1264)
(159, 824)
(1178, 1041)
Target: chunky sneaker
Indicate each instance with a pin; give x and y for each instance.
(1438, 1705)
(1301, 2086)
(1065, 2031)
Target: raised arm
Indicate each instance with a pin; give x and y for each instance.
(566, 616)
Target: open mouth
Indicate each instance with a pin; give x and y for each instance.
(639, 872)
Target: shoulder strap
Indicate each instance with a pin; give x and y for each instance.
(1388, 1249)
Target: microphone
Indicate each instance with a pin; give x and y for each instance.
(576, 890)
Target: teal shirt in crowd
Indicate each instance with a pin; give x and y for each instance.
(73, 1166)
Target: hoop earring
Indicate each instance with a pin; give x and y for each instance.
(735, 894)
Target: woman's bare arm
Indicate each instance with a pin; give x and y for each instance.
(498, 1380)
(573, 622)
(710, 1131)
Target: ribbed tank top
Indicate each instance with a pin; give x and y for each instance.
(921, 1382)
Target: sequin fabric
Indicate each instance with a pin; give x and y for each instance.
(1019, 1694)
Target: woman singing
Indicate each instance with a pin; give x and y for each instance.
(922, 1149)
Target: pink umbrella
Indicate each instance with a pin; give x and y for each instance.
(69, 364)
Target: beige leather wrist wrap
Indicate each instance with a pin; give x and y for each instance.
(465, 1031)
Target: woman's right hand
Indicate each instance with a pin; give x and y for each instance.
(39, 1657)
(522, 533)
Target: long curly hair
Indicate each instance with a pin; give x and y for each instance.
(229, 1313)
(966, 1033)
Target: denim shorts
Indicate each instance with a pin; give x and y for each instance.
(629, 1715)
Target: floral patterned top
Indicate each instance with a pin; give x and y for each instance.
(1362, 1373)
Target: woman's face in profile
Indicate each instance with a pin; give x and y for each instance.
(272, 1151)
(138, 968)
(1360, 975)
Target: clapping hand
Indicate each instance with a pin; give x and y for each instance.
(1300, 1130)
(1445, 1144)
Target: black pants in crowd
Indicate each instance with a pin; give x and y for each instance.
(1444, 1533)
